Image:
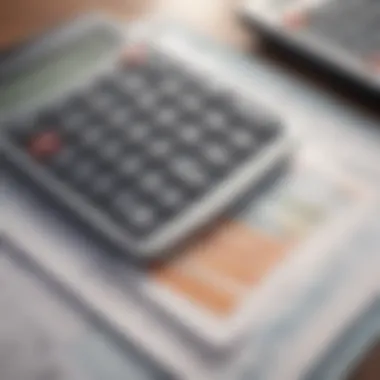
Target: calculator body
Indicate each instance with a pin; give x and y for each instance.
(98, 44)
(336, 35)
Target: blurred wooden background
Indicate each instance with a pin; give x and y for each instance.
(21, 19)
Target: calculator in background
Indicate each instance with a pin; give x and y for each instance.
(340, 35)
(141, 140)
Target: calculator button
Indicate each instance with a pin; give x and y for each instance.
(120, 117)
(122, 202)
(84, 172)
(65, 156)
(170, 88)
(373, 62)
(171, 198)
(45, 145)
(102, 185)
(73, 120)
(135, 55)
(62, 163)
(110, 151)
(190, 134)
(188, 171)
(217, 155)
(130, 166)
(91, 136)
(152, 183)
(138, 132)
(142, 216)
(166, 117)
(146, 102)
(160, 148)
(242, 139)
(191, 103)
(216, 121)
(295, 20)
(133, 212)
(44, 120)
(133, 83)
(101, 101)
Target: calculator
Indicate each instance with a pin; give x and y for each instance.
(341, 36)
(135, 137)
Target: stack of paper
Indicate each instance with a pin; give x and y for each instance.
(263, 294)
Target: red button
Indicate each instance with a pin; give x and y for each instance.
(45, 145)
(374, 63)
(135, 55)
(295, 20)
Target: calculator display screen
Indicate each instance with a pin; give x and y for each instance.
(56, 72)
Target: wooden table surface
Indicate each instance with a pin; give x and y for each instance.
(21, 19)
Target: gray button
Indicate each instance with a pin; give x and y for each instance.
(131, 165)
(102, 185)
(92, 135)
(152, 182)
(170, 87)
(123, 202)
(83, 171)
(191, 103)
(133, 210)
(101, 101)
(138, 132)
(160, 148)
(188, 170)
(74, 120)
(65, 158)
(190, 134)
(147, 101)
(171, 197)
(134, 83)
(216, 121)
(217, 155)
(120, 117)
(111, 150)
(141, 215)
(242, 139)
(166, 117)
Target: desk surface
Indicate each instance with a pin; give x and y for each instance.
(21, 19)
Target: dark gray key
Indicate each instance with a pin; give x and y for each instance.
(103, 185)
(189, 171)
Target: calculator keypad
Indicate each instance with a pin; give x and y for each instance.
(146, 142)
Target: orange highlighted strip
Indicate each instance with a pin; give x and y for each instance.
(238, 253)
(198, 290)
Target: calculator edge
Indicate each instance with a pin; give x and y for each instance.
(308, 48)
